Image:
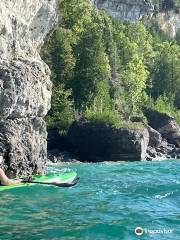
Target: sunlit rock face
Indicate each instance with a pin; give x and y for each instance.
(25, 87)
(131, 10)
(24, 25)
(134, 10)
(169, 22)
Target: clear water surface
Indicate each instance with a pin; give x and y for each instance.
(109, 202)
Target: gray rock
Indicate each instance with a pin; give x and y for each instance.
(25, 87)
(164, 151)
(23, 25)
(154, 154)
(55, 155)
(171, 131)
(151, 152)
(155, 138)
(131, 10)
(169, 22)
(165, 147)
(175, 153)
(23, 145)
(165, 125)
(98, 142)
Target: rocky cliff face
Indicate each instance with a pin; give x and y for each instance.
(25, 87)
(169, 22)
(97, 142)
(132, 10)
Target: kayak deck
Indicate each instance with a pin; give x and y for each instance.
(67, 177)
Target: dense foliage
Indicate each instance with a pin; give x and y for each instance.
(106, 70)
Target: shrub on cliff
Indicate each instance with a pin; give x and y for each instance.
(108, 117)
(111, 118)
(164, 104)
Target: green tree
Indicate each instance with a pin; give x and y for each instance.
(90, 84)
(75, 14)
(134, 81)
(136, 56)
(61, 113)
(58, 53)
(166, 79)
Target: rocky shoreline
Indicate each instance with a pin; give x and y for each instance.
(25, 99)
(96, 142)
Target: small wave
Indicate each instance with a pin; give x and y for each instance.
(158, 196)
(57, 170)
(176, 181)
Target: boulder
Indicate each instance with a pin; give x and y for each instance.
(97, 142)
(175, 153)
(155, 137)
(162, 152)
(165, 125)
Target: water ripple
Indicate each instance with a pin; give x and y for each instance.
(109, 202)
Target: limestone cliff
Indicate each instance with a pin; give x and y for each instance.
(132, 10)
(169, 22)
(25, 87)
(97, 142)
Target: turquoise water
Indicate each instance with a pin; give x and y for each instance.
(110, 201)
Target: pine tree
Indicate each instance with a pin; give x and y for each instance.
(90, 84)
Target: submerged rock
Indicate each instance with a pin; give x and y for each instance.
(25, 87)
(98, 142)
